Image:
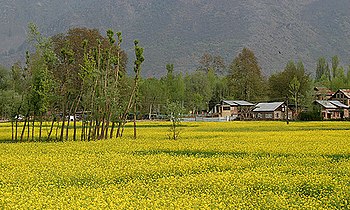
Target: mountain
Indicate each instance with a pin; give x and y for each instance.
(180, 31)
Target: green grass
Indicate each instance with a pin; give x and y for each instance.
(213, 165)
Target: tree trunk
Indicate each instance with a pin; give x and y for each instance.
(135, 120)
(150, 112)
(24, 127)
(63, 121)
(41, 126)
(118, 130)
(75, 118)
(51, 128)
(12, 130)
(16, 129)
(112, 130)
(33, 127)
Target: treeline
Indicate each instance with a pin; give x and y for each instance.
(81, 75)
(198, 92)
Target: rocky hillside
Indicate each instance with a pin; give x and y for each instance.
(180, 31)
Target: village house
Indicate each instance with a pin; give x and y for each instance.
(332, 110)
(322, 93)
(271, 111)
(342, 95)
(234, 109)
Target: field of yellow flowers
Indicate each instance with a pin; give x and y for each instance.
(227, 165)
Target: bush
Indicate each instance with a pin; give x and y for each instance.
(310, 116)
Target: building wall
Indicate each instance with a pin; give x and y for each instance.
(332, 114)
(227, 111)
(276, 115)
(346, 113)
(339, 96)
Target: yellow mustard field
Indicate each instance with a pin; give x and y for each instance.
(226, 165)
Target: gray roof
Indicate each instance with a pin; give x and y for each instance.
(238, 103)
(267, 107)
(326, 104)
(332, 104)
(340, 104)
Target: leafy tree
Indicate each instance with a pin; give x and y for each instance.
(152, 96)
(334, 79)
(174, 111)
(137, 69)
(339, 80)
(38, 79)
(245, 78)
(279, 83)
(174, 85)
(294, 90)
(198, 91)
(4, 78)
(335, 65)
(322, 69)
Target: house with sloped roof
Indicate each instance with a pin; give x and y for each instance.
(322, 93)
(342, 95)
(333, 109)
(271, 111)
(235, 109)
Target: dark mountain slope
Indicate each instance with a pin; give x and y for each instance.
(180, 31)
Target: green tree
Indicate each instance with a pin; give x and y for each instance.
(245, 78)
(137, 69)
(198, 91)
(174, 111)
(294, 90)
(152, 96)
(279, 82)
(174, 85)
(335, 65)
(322, 69)
(4, 78)
(38, 78)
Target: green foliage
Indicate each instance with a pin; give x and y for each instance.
(174, 85)
(4, 78)
(294, 90)
(322, 69)
(245, 78)
(174, 112)
(282, 85)
(153, 96)
(335, 79)
(198, 91)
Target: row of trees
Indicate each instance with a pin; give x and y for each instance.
(242, 79)
(80, 72)
(332, 75)
(213, 81)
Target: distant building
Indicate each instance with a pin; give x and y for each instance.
(234, 109)
(322, 93)
(342, 95)
(332, 110)
(271, 111)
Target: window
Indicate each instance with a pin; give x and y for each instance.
(226, 108)
(268, 116)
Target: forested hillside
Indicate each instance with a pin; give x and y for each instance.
(181, 31)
